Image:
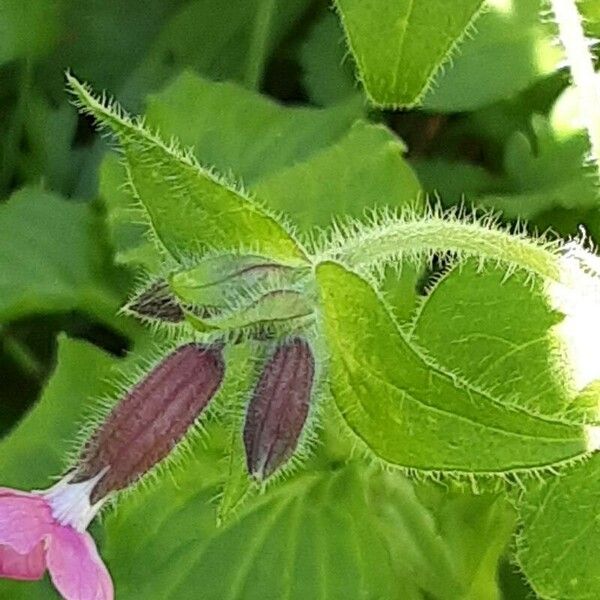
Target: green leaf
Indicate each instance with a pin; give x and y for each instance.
(327, 68)
(43, 439)
(590, 11)
(413, 414)
(283, 153)
(125, 218)
(400, 45)
(544, 163)
(230, 127)
(189, 209)
(548, 170)
(49, 134)
(243, 132)
(312, 164)
(557, 547)
(28, 28)
(452, 181)
(364, 169)
(52, 258)
(352, 533)
(238, 486)
(510, 49)
(478, 528)
(468, 324)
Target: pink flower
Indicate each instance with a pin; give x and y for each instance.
(47, 530)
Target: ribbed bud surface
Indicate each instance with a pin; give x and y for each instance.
(149, 421)
(278, 408)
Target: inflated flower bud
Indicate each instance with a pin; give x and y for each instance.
(151, 419)
(278, 408)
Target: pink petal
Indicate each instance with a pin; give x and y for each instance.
(25, 519)
(22, 566)
(76, 569)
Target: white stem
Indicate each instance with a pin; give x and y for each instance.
(581, 64)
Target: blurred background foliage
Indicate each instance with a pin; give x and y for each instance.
(265, 91)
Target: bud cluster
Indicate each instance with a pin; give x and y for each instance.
(153, 417)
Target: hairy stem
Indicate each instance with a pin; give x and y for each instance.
(414, 236)
(581, 65)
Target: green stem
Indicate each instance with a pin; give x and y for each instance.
(257, 53)
(414, 236)
(581, 64)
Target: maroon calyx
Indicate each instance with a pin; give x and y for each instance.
(146, 425)
(278, 408)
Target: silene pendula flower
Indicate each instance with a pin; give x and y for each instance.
(278, 408)
(47, 529)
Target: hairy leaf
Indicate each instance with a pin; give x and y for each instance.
(399, 45)
(243, 132)
(307, 162)
(125, 221)
(236, 486)
(411, 413)
(189, 209)
(468, 322)
(558, 544)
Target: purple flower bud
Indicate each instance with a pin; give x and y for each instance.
(157, 302)
(151, 419)
(278, 408)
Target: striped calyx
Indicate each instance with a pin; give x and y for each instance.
(279, 407)
(146, 425)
